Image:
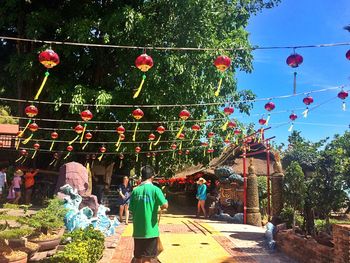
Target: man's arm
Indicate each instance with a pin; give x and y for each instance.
(163, 203)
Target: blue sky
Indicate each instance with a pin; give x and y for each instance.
(301, 22)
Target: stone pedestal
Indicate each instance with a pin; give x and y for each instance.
(277, 193)
(253, 212)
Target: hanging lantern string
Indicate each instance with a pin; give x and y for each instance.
(254, 47)
(173, 105)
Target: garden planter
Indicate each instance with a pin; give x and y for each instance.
(47, 244)
(16, 243)
(15, 257)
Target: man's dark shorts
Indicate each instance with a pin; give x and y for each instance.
(145, 247)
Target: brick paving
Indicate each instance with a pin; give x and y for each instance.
(189, 240)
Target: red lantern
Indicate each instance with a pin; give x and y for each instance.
(180, 152)
(33, 127)
(49, 59)
(69, 148)
(138, 149)
(204, 144)
(173, 146)
(227, 141)
(210, 150)
(31, 111)
(148, 155)
(36, 146)
(236, 132)
(231, 124)
(151, 137)
(23, 155)
(211, 134)
(121, 129)
(23, 152)
(187, 152)
(160, 129)
(86, 115)
(343, 95)
(143, 63)
(54, 135)
(184, 115)
(228, 110)
(307, 101)
(293, 117)
(103, 149)
(222, 63)
(78, 129)
(121, 156)
(182, 136)
(88, 136)
(262, 121)
(348, 55)
(270, 106)
(137, 114)
(294, 60)
(196, 127)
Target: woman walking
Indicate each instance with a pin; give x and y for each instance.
(16, 185)
(124, 191)
(201, 196)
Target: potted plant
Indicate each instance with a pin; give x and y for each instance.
(48, 225)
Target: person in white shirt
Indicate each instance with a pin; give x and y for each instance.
(3, 181)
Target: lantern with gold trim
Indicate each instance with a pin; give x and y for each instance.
(173, 147)
(160, 130)
(54, 136)
(120, 131)
(294, 61)
(33, 127)
(195, 128)
(222, 63)
(144, 63)
(78, 130)
(36, 147)
(69, 148)
(181, 138)
(102, 151)
(31, 111)
(184, 115)
(88, 137)
(137, 114)
(137, 151)
(49, 59)
(23, 155)
(151, 138)
(86, 116)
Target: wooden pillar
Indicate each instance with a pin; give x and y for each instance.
(253, 211)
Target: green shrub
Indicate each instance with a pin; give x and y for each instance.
(15, 233)
(287, 217)
(86, 247)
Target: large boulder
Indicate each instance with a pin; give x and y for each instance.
(74, 174)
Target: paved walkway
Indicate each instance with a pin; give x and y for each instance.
(186, 239)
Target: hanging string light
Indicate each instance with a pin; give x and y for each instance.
(307, 101)
(294, 61)
(222, 63)
(143, 62)
(49, 59)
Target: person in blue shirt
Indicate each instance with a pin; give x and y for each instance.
(201, 196)
(124, 191)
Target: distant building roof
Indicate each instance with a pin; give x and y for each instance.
(9, 129)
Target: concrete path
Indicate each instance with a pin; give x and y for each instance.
(191, 240)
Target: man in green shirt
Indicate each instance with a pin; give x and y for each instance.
(144, 204)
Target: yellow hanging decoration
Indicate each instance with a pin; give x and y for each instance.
(52, 162)
(180, 146)
(18, 141)
(72, 141)
(52, 144)
(181, 129)
(100, 157)
(33, 156)
(82, 134)
(65, 157)
(137, 93)
(25, 128)
(135, 130)
(84, 146)
(224, 127)
(25, 159)
(47, 74)
(28, 139)
(20, 158)
(137, 157)
(158, 140)
(217, 92)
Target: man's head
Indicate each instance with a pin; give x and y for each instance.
(147, 172)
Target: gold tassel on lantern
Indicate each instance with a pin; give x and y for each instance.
(181, 129)
(156, 143)
(82, 134)
(100, 157)
(20, 158)
(217, 92)
(33, 156)
(28, 139)
(25, 128)
(72, 141)
(47, 74)
(135, 130)
(136, 94)
(52, 144)
(65, 157)
(84, 146)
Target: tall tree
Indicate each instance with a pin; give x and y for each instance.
(107, 76)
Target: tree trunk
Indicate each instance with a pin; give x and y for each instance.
(294, 212)
(309, 218)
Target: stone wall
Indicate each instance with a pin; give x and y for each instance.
(303, 250)
(308, 250)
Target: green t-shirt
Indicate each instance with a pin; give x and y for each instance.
(144, 204)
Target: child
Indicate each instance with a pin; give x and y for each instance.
(16, 185)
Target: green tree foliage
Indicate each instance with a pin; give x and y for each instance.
(108, 76)
(294, 188)
(5, 116)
